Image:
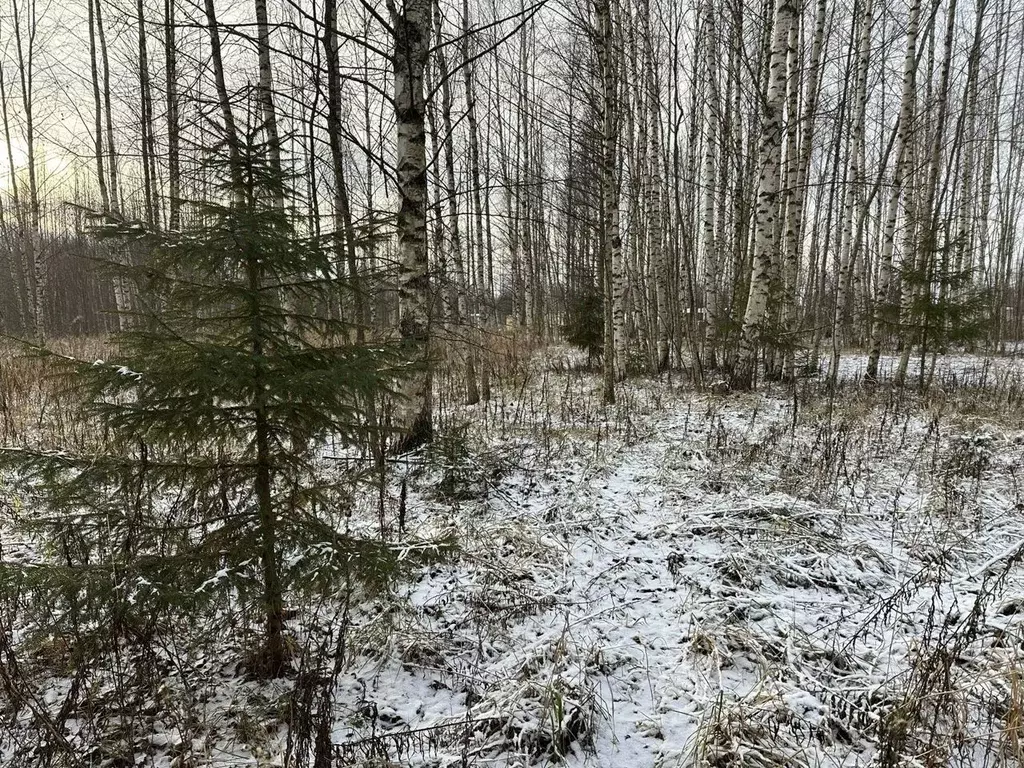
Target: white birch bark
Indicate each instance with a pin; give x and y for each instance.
(906, 125)
(927, 211)
(710, 246)
(855, 187)
(656, 213)
(266, 91)
(412, 25)
(26, 49)
(767, 202)
(798, 199)
(612, 246)
(792, 203)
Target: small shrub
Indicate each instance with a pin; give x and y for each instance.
(584, 325)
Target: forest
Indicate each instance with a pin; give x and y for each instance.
(439, 383)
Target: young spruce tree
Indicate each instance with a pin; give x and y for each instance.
(205, 486)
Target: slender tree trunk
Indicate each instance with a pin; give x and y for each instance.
(469, 81)
(854, 190)
(412, 26)
(26, 304)
(482, 294)
(769, 161)
(101, 175)
(927, 209)
(614, 351)
(115, 192)
(345, 248)
(801, 146)
(274, 656)
(30, 236)
(970, 127)
(224, 101)
(903, 132)
(710, 176)
(146, 121)
(266, 90)
(458, 281)
(371, 222)
(173, 118)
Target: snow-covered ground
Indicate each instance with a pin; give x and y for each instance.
(690, 579)
(684, 579)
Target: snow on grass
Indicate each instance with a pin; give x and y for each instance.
(683, 579)
(690, 580)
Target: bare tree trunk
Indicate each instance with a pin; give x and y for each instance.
(800, 159)
(614, 351)
(482, 294)
(928, 210)
(371, 223)
(412, 26)
(903, 132)
(855, 188)
(101, 175)
(712, 260)
(469, 80)
(146, 122)
(115, 193)
(769, 161)
(968, 130)
(345, 248)
(458, 282)
(266, 90)
(996, 79)
(224, 101)
(34, 254)
(26, 305)
(173, 118)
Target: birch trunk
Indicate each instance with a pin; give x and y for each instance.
(989, 154)
(412, 26)
(712, 255)
(266, 91)
(173, 117)
(797, 188)
(479, 266)
(614, 352)
(970, 122)
(656, 209)
(767, 210)
(34, 254)
(854, 190)
(26, 306)
(903, 131)
(928, 211)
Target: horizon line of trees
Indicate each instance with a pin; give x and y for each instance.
(740, 185)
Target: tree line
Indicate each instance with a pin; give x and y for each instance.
(738, 187)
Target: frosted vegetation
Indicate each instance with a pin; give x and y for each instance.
(686, 578)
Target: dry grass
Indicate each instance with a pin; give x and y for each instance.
(38, 401)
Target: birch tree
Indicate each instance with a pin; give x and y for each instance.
(767, 206)
(904, 128)
(611, 245)
(855, 186)
(410, 27)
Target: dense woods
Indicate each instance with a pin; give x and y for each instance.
(287, 291)
(744, 186)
